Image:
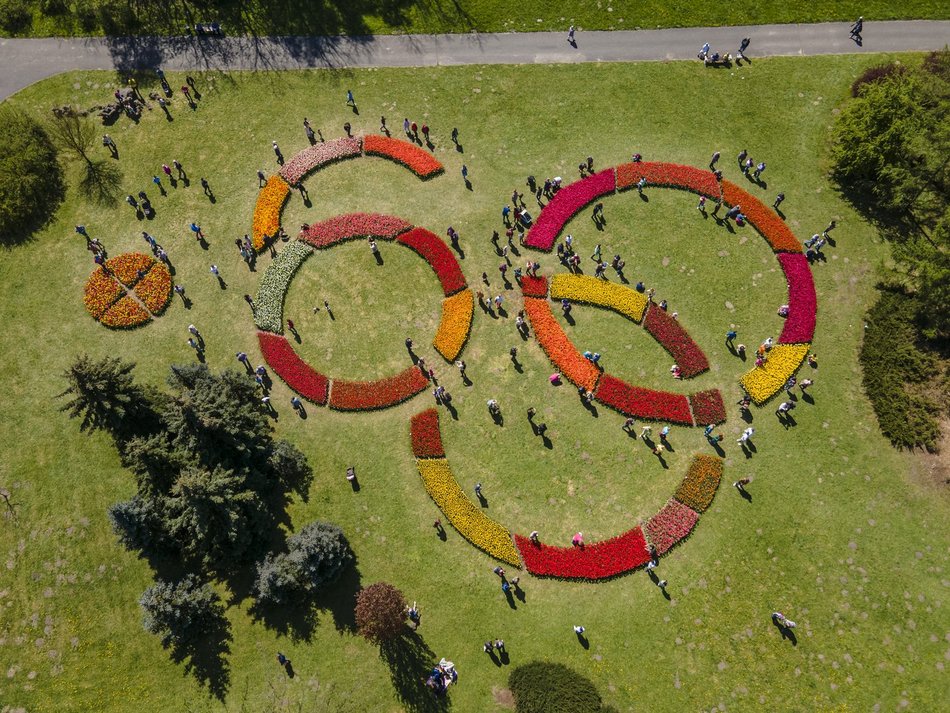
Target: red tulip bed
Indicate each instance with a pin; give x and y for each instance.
(707, 407)
(802, 302)
(672, 337)
(671, 525)
(668, 175)
(643, 403)
(598, 560)
(534, 286)
(318, 156)
(299, 375)
(353, 226)
(762, 218)
(409, 155)
(372, 395)
(433, 250)
(565, 204)
(426, 436)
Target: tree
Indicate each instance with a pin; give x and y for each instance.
(315, 557)
(380, 612)
(539, 687)
(104, 395)
(138, 524)
(182, 612)
(31, 182)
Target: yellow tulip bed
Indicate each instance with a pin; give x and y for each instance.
(701, 482)
(594, 291)
(763, 382)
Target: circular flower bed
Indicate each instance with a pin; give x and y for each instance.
(128, 290)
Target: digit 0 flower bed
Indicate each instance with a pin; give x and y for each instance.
(128, 291)
(594, 561)
(273, 196)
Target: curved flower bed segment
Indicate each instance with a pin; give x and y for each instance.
(476, 527)
(423, 164)
(672, 337)
(643, 403)
(426, 436)
(802, 301)
(317, 156)
(763, 219)
(155, 289)
(593, 291)
(125, 313)
(101, 292)
(763, 382)
(125, 267)
(270, 203)
(559, 348)
(373, 395)
(269, 307)
(701, 482)
(457, 313)
(598, 560)
(671, 525)
(352, 226)
(434, 251)
(707, 407)
(668, 175)
(299, 375)
(565, 204)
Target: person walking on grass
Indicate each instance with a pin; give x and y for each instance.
(778, 200)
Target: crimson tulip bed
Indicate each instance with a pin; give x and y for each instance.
(802, 301)
(433, 250)
(409, 155)
(598, 560)
(672, 337)
(372, 395)
(707, 407)
(671, 525)
(299, 375)
(641, 402)
(565, 204)
(426, 435)
(353, 226)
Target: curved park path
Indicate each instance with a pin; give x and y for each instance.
(25, 61)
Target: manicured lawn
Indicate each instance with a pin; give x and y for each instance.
(841, 534)
(400, 16)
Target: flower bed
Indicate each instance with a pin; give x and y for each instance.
(299, 375)
(317, 156)
(591, 290)
(670, 526)
(470, 521)
(598, 560)
(556, 344)
(707, 407)
(802, 301)
(422, 164)
(352, 226)
(456, 324)
(372, 395)
(433, 250)
(125, 313)
(101, 292)
(125, 267)
(672, 337)
(701, 483)
(763, 219)
(155, 289)
(270, 203)
(763, 382)
(668, 175)
(426, 436)
(534, 286)
(565, 205)
(269, 307)
(643, 403)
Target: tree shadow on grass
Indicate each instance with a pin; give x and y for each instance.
(101, 182)
(410, 659)
(206, 658)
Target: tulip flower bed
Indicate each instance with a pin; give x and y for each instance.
(597, 560)
(270, 203)
(762, 218)
(593, 291)
(701, 483)
(670, 526)
(373, 395)
(125, 267)
(106, 297)
(299, 375)
(433, 250)
(802, 301)
(643, 403)
(565, 205)
(269, 306)
(155, 288)
(318, 156)
(471, 523)
(101, 292)
(125, 313)
(707, 407)
(534, 286)
(456, 324)
(763, 382)
(672, 337)
(409, 155)
(426, 436)
(668, 175)
(559, 348)
(353, 226)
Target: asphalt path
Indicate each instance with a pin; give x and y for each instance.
(25, 61)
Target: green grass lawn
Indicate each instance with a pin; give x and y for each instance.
(842, 534)
(361, 17)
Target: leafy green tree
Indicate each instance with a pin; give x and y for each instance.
(315, 557)
(380, 613)
(104, 395)
(31, 182)
(182, 612)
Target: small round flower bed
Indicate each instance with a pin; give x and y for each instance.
(128, 291)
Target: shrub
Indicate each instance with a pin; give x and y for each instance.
(878, 73)
(182, 612)
(380, 612)
(542, 687)
(15, 16)
(31, 184)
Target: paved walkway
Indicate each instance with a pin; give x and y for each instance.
(24, 62)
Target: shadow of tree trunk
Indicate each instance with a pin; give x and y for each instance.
(101, 182)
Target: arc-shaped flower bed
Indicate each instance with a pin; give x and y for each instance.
(594, 561)
(434, 251)
(382, 393)
(317, 156)
(272, 290)
(128, 290)
(600, 293)
(672, 337)
(423, 164)
(270, 203)
(456, 325)
(763, 382)
(565, 204)
(643, 403)
(298, 374)
(353, 226)
(802, 302)
(707, 407)
(558, 346)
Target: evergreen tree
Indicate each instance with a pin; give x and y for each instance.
(104, 395)
(182, 612)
